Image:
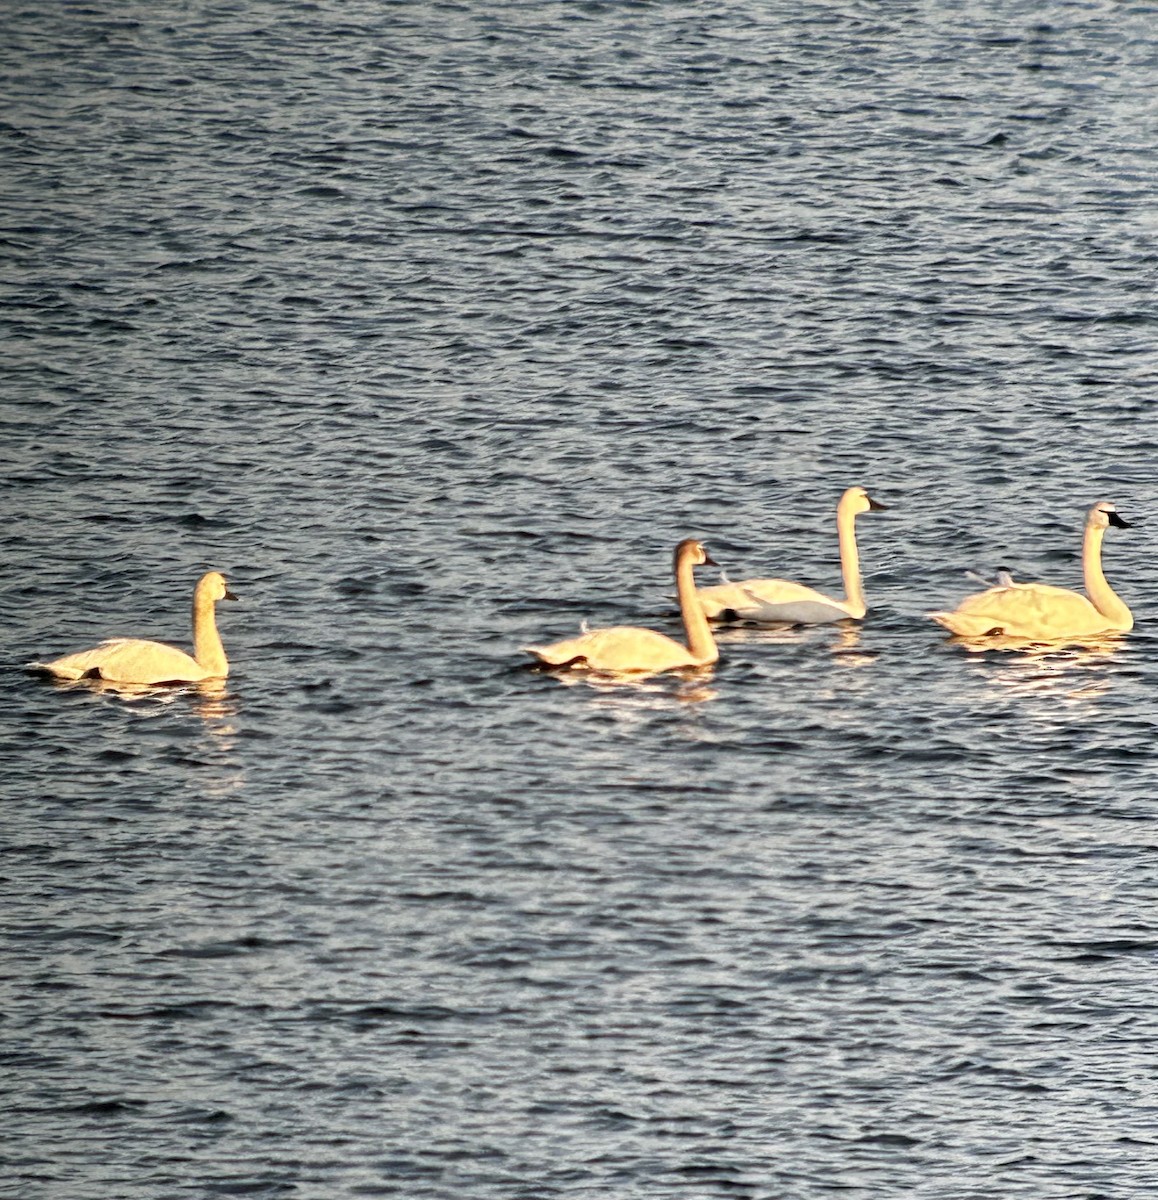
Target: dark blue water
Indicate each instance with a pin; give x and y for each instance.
(434, 327)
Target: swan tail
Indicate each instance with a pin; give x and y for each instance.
(561, 655)
(55, 670)
(966, 625)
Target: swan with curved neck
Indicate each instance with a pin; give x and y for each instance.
(793, 603)
(628, 648)
(1043, 613)
(133, 660)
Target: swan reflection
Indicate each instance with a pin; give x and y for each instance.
(1075, 673)
(216, 706)
(691, 687)
(1085, 649)
(843, 640)
(210, 699)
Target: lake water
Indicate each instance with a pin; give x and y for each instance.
(435, 327)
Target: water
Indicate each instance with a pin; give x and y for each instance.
(434, 327)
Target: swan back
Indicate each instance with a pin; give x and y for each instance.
(127, 660)
(619, 648)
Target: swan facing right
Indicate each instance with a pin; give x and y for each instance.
(782, 600)
(1040, 612)
(136, 661)
(630, 649)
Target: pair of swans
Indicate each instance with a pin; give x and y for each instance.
(1025, 612)
(630, 649)
(139, 662)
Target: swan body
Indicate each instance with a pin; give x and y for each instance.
(630, 649)
(1042, 612)
(134, 660)
(792, 603)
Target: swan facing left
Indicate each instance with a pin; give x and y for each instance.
(133, 660)
(630, 649)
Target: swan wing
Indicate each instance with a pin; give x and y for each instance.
(619, 648)
(127, 660)
(723, 598)
(1036, 611)
(793, 603)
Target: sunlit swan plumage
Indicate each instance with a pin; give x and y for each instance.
(793, 603)
(133, 660)
(627, 648)
(1041, 612)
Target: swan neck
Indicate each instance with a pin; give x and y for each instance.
(701, 644)
(1101, 595)
(207, 647)
(850, 562)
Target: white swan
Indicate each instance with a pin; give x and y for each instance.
(627, 648)
(132, 660)
(1040, 612)
(793, 603)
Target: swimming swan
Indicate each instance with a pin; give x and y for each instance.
(793, 603)
(628, 648)
(132, 660)
(1040, 612)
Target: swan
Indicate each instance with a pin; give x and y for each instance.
(793, 603)
(1041, 612)
(627, 648)
(133, 660)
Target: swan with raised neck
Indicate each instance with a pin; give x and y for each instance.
(1041, 612)
(136, 661)
(631, 649)
(781, 600)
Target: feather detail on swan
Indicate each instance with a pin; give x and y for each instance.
(793, 603)
(630, 649)
(134, 660)
(1041, 612)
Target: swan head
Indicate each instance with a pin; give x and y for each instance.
(694, 552)
(856, 500)
(212, 587)
(1104, 514)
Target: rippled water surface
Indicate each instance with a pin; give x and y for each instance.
(435, 327)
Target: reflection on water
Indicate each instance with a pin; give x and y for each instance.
(211, 700)
(690, 686)
(1075, 674)
(216, 707)
(1097, 645)
(843, 639)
